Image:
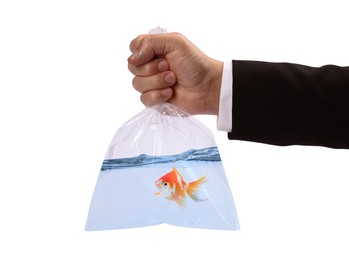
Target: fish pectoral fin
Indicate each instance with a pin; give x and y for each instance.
(158, 193)
(180, 202)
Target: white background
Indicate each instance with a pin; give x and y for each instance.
(65, 89)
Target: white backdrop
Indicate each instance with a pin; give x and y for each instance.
(65, 89)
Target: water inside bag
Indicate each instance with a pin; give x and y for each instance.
(162, 167)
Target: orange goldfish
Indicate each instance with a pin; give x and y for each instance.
(173, 187)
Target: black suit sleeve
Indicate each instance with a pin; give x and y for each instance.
(287, 104)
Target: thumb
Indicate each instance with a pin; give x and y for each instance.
(145, 47)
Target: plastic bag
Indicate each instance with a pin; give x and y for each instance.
(162, 166)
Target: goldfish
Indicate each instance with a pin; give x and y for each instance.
(173, 187)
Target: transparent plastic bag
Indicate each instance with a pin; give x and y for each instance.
(162, 166)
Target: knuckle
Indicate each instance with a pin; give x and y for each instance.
(134, 44)
(151, 98)
(146, 99)
(131, 68)
(135, 84)
(143, 99)
(159, 81)
(179, 36)
(146, 70)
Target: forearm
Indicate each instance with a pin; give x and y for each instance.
(284, 104)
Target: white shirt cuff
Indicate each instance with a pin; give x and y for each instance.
(224, 119)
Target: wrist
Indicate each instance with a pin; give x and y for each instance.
(213, 97)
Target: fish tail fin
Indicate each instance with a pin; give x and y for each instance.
(193, 188)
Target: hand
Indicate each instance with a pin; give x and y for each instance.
(168, 67)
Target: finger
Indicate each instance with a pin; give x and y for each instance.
(154, 97)
(152, 67)
(155, 82)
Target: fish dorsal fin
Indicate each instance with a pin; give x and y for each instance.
(179, 176)
(176, 171)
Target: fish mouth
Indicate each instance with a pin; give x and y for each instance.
(158, 185)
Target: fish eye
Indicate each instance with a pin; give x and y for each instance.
(165, 184)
